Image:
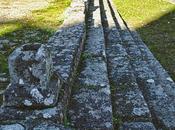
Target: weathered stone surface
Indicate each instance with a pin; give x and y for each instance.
(50, 126)
(54, 114)
(138, 126)
(161, 104)
(159, 101)
(90, 106)
(94, 73)
(97, 47)
(62, 53)
(33, 83)
(12, 127)
(42, 75)
(161, 74)
(129, 103)
(91, 109)
(66, 45)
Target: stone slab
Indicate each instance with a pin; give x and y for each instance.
(137, 126)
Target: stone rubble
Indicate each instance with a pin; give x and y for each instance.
(33, 83)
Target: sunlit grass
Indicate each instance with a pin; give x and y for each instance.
(155, 21)
(51, 17)
(35, 27)
(9, 27)
(142, 12)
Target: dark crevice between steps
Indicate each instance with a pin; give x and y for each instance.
(112, 88)
(155, 121)
(88, 22)
(75, 86)
(67, 121)
(118, 27)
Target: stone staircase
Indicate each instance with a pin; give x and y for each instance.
(94, 73)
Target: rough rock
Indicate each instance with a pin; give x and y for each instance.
(12, 127)
(138, 126)
(50, 126)
(33, 83)
(160, 102)
(67, 43)
(129, 103)
(90, 106)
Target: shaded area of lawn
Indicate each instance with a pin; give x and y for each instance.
(155, 22)
(36, 27)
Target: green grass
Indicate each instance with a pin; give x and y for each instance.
(36, 27)
(155, 22)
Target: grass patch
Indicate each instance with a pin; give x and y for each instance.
(37, 27)
(155, 22)
(117, 121)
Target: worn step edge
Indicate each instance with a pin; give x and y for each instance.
(90, 106)
(137, 125)
(160, 104)
(120, 74)
(162, 76)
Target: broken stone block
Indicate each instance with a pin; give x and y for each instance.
(33, 83)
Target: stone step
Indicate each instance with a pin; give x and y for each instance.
(128, 101)
(12, 127)
(90, 106)
(137, 126)
(160, 102)
(65, 47)
(41, 126)
(161, 74)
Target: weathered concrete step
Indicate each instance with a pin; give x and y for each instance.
(128, 101)
(90, 106)
(161, 104)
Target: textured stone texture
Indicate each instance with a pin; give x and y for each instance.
(12, 127)
(160, 102)
(42, 77)
(54, 114)
(138, 126)
(66, 45)
(129, 103)
(64, 50)
(33, 83)
(90, 106)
